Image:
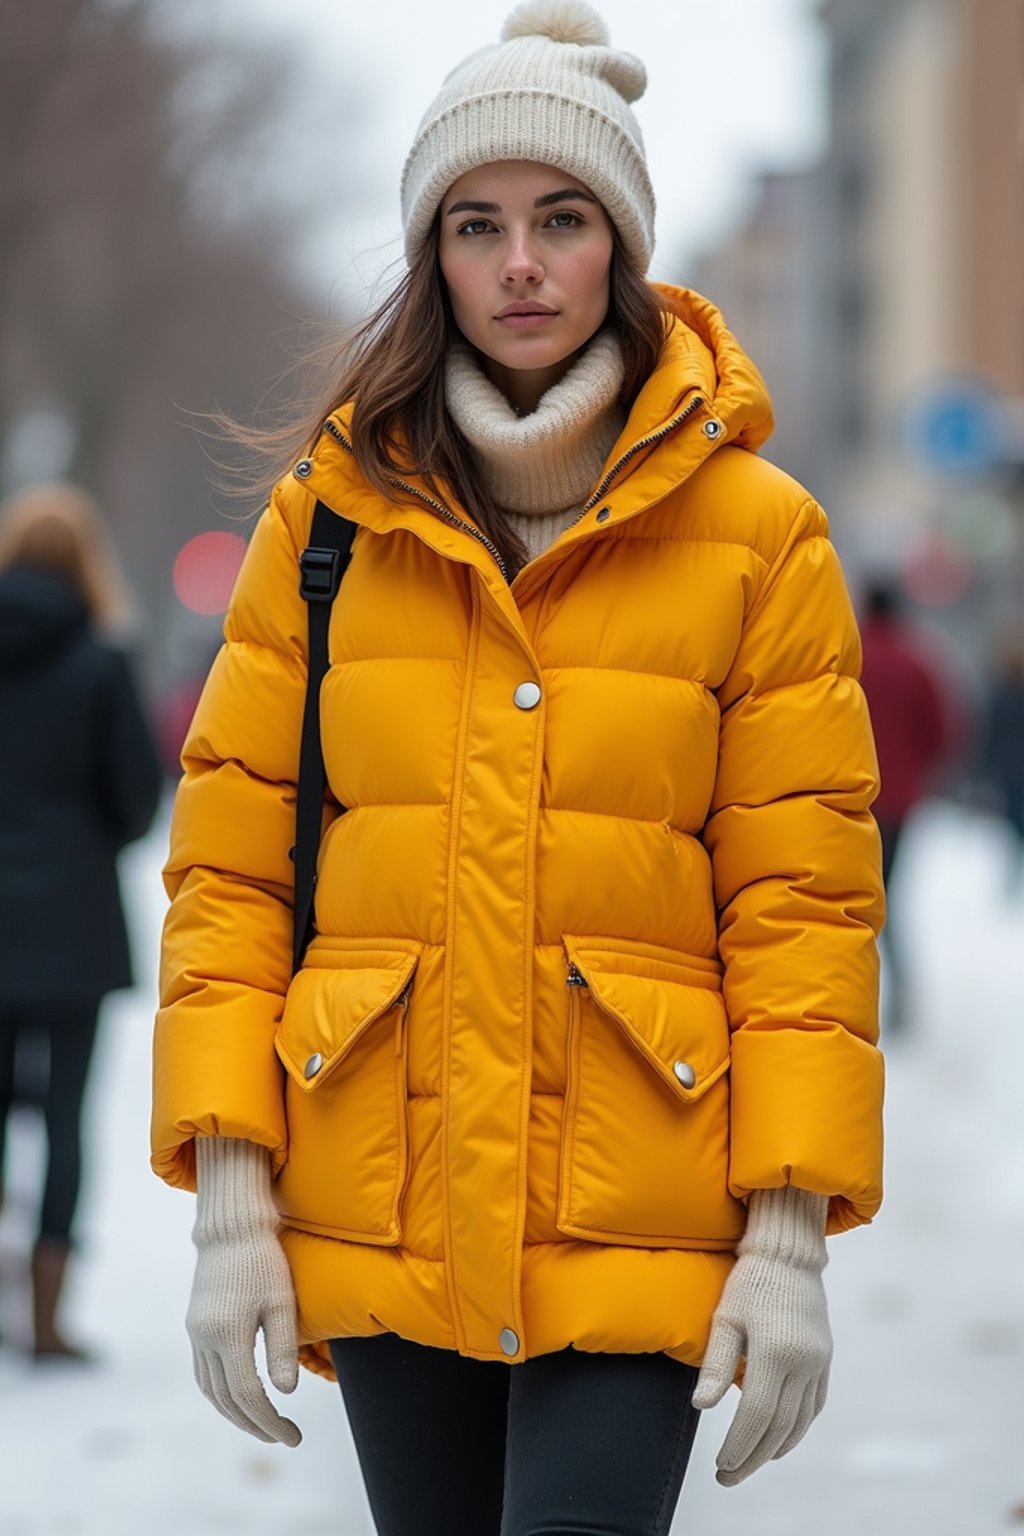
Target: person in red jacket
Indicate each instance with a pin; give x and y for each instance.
(912, 718)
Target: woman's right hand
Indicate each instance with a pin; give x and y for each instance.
(242, 1283)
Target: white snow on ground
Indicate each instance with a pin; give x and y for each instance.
(924, 1430)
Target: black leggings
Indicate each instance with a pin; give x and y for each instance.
(593, 1444)
(69, 1028)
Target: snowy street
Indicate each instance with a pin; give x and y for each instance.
(924, 1429)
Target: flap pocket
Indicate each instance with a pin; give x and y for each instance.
(645, 1120)
(670, 1010)
(339, 993)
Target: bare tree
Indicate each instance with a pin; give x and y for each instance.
(134, 279)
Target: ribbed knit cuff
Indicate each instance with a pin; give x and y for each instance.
(788, 1225)
(233, 1189)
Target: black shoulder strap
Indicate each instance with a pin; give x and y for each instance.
(322, 565)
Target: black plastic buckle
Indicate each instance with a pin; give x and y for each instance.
(319, 575)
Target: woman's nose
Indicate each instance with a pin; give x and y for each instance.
(522, 263)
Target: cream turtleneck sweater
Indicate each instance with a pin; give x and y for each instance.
(541, 468)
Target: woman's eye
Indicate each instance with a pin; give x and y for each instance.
(559, 219)
(473, 227)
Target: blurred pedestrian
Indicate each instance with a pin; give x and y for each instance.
(79, 778)
(597, 833)
(913, 714)
(1003, 742)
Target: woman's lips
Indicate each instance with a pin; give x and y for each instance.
(530, 322)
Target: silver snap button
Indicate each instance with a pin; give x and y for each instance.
(712, 429)
(527, 695)
(604, 514)
(685, 1073)
(314, 1064)
(304, 468)
(509, 1341)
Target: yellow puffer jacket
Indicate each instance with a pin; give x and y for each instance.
(596, 932)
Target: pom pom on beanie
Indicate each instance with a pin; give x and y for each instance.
(563, 21)
(554, 91)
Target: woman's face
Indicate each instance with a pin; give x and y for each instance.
(526, 254)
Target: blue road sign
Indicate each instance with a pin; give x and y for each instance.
(957, 429)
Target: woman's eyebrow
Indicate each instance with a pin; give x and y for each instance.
(468, 207)
(567, 194)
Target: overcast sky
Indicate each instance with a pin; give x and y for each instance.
(734, 86)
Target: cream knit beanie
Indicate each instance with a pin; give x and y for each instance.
(552, 91)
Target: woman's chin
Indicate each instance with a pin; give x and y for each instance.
(529, 354)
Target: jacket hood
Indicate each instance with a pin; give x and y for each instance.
(39, 613)
(701, 352)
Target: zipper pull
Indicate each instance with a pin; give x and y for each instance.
(575, 977)
(401, 1003)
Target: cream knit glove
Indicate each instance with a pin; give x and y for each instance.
(773, 1312)
(242, 1283)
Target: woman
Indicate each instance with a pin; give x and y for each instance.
(79, 778)
(606, 769)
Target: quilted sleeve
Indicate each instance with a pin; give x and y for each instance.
(797, 872)
(226, 954)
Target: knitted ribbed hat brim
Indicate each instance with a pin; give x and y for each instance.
(535, 126)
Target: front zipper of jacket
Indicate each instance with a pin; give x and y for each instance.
(435, 506)
(643, 442)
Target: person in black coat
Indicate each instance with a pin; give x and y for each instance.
(79, 779)
(1003, 743)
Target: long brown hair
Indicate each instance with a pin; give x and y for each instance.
(392, 369)
(57, 527)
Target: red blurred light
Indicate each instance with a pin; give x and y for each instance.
(938, 571)
(206, 569)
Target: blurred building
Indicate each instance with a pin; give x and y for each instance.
(157, 203)
(895, 264)
(767, 279)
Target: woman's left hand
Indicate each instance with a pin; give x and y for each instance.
(773, 1311)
